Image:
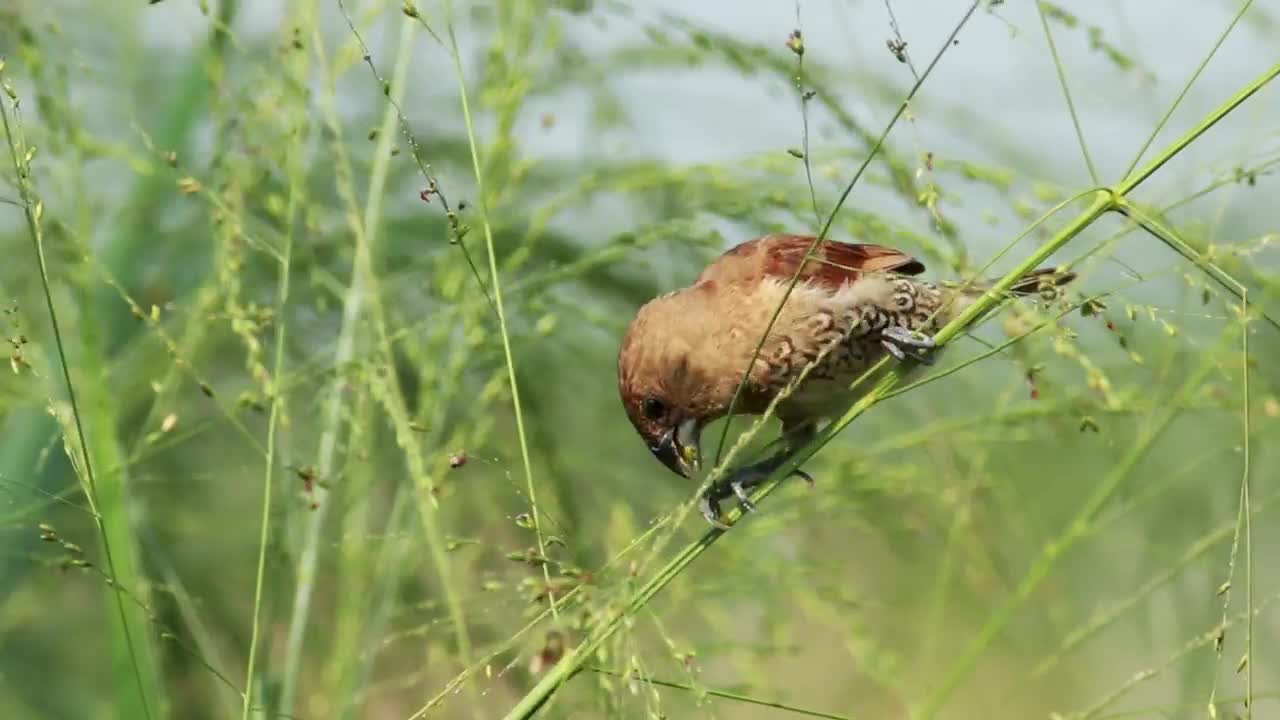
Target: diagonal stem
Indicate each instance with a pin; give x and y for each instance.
(1066, 93)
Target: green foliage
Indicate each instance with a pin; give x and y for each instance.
(339, 290)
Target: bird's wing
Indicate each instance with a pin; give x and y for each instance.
(832, 264)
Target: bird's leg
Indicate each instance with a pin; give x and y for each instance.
(745, 480)
(740, 483)
(902, 344)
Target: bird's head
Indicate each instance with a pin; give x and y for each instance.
(668, 381)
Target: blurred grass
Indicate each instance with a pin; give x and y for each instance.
(191, 163)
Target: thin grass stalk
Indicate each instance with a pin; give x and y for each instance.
(747, 699)
(1173, 709)
(1243, 513)
(296, 200)
(1155, 227)
(367, 582)
(1186, 87)
(364, 232)
(451, 687)
(1134, 179)
(389, 395)
(499, 308)
(1066, 93)
(1075, 530)
(173, 129)
(109, 529)
(1103, 617)
(1202, 640)
(378, 604)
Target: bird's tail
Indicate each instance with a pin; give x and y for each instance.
(1042, 281)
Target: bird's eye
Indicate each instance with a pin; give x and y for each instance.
(653, 408)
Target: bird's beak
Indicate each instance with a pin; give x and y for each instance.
(678, 448)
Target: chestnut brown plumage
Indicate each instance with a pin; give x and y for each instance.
(685, 352)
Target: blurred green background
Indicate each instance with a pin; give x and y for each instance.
(267, 319)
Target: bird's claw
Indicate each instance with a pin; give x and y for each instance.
(710, 507)
(739, 485)
(901, 343)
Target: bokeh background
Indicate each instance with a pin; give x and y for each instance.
(299, 413)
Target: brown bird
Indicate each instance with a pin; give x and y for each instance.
(686, 352)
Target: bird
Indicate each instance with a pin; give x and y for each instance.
(685, 353)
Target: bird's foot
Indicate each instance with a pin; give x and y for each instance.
(709, 504)
(739, 485)
(902, 344)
